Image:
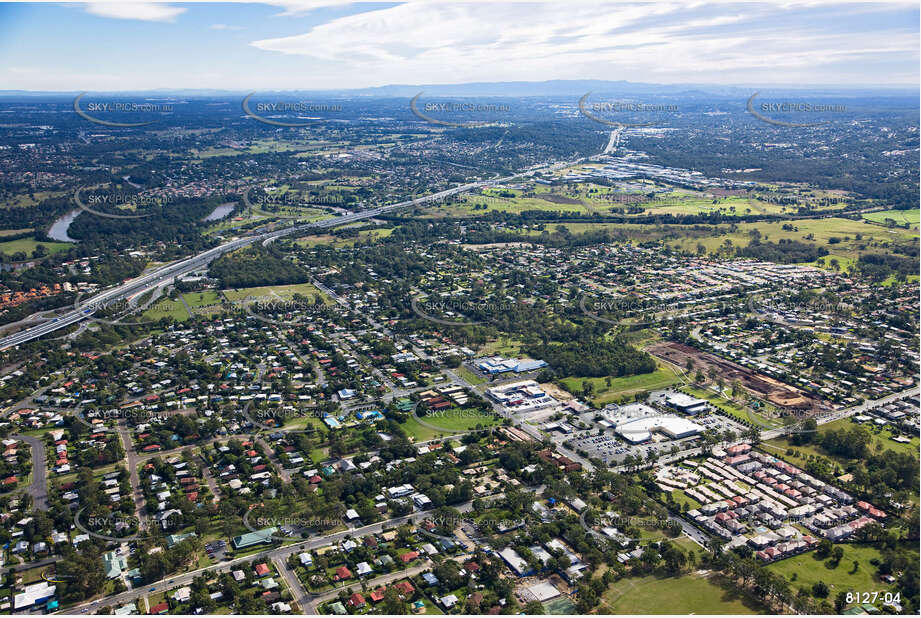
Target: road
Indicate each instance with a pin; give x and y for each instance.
(835, 416)
(370, 584)
(171, 271)
(278, 554)
(39, 487)
(132, 460)
(298, 593)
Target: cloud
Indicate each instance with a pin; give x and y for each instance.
(224, 27)
(143, 11)
(439, 42)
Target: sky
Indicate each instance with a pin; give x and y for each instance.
(330, 44)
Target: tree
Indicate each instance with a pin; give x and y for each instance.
(393, 604)
(534, 608)
(820, 589)
(841, 601)
(824, 549)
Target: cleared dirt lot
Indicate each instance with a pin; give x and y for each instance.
(774, 391)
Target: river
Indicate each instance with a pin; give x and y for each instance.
(221, 211)
(58, 229)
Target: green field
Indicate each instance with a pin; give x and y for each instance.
(202, 299)
(880, 441)
(911, 217)
(503, 346)
(732, 408)
(682, 498)
(873, 237)
(468, 375)
(339, 241)
(28, 245)
(662, 377)
(462, 420)
(697, 203)
(688, 594)
(277, 292)
(809, 569)
(165, 308)
(450, 424)
(590, 198)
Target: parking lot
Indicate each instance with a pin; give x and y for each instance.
(613, 449)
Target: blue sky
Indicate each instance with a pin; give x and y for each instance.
(307, 44)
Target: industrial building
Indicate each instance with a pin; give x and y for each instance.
(686, 404)
(638, 430)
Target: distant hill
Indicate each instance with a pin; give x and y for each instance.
(575, 87)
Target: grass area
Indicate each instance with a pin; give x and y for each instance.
(809, 569)
(503, 346)
(469, 375)
(873, 237)
(318, 455)
(462, 419)
(697, 203)
(163, 308)
(733, 408)
(460, 422)
(28, 245)
(687, 594)
(880, 441)
(277, 292)
(881, 437)
(662, 377)
(779, 446)
(911, 217)
(27, 200)
(682, 498)
(202, 299)
(201, 303)
(587, 197)
(831, 260)
(816, 232)
(420, 432)
(339, 241)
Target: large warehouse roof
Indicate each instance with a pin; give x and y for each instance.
(639, 430)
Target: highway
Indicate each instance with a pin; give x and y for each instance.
(181, 267)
